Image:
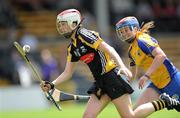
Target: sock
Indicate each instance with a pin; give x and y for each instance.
(159, 104)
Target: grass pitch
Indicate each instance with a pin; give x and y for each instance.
(76, 111)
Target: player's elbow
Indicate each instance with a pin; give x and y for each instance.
(161, 57)
(112, 48)
(112, 51)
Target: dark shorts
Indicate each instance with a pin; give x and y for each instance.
(111, 84)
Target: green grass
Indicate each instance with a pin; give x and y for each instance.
(76, 111)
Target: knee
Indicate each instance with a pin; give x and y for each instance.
(89, 115)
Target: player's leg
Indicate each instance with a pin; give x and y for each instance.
(119, 90)
(171, 103)
(95, 106)
(124, 106)
(148, 95)
(171, 89)
(164, 101)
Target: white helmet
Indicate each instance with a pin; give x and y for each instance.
(70, 16)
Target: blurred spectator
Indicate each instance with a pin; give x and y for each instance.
(8, 24)
(30, 40)
(156, 6)
(178, 15)
(89, 20)
(144, 10)
(165, 12)
(178, 11)
(34, 5)
(88, 5)
(7, 69)
(121, 8)
(66, 4)
(23, 72)
(34, 53)
(169, 8)
(7, 16)
(49, 66)
(29, 5)
(50, 4)
(178, 7)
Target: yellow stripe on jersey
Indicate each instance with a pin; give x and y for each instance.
(111, 64)
(69, 54)
(96, 44)
(73, 39)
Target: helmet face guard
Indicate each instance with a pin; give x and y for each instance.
(63, 27)
(124, 26)
(67, 21)
(125, 33)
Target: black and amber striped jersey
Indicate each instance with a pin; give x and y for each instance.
(83, 47)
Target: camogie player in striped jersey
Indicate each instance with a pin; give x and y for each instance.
(88, 47)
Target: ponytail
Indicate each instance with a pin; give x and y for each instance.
(145, 28)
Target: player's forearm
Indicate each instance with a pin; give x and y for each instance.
(63, 77)
(157, 62)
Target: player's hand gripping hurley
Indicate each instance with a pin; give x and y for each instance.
(37, 76)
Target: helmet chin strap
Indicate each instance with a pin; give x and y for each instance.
(130, 40)
(68, 35)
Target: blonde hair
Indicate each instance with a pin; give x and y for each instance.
(145, 28)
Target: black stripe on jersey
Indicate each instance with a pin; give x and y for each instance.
(103, 61)
(88, 36)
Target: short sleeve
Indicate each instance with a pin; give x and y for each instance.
(147, 46)
(91, 38)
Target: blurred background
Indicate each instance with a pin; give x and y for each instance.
(33, 22)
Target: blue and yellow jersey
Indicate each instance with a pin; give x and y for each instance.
(83, 47)
(140, 54)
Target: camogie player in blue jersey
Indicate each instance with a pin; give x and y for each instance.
(145, 54)
(88, 47)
